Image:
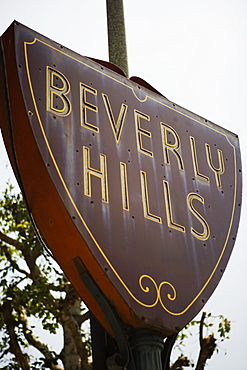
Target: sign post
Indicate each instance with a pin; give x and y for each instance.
(146, 345)
(116, 34)
(138, 198)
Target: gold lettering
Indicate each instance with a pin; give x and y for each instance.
(141, 131)
(89, 171)
(195, 160)
(206, 230)
(217, 171)
(84, 105)
(57, 87)
(169, 215)
(169, 146)
(116, 126)
(145, 201)
(124, 186)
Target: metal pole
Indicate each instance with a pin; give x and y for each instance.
(116, 35)
(147, 346)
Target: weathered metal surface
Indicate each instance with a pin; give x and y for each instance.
(146, 193)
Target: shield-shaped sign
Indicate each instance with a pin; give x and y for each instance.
(145, 193)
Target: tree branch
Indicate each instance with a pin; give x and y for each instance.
(12, 262)
(33, 341)
(181, 361)
(80, 319)
(30, 256)
(15, 243)
(201, 327)
(30, 260)
(70, 318)
(207, 344)
(14, 347)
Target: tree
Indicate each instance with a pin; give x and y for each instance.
(209, 344)
(33, 286)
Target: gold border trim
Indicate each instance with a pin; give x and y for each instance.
(156, 286)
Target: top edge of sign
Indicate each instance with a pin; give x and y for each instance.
(137, 81)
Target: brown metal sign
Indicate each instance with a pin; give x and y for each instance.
(144, 192)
